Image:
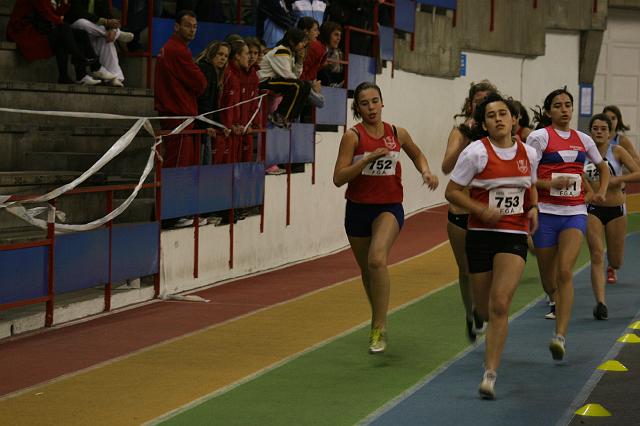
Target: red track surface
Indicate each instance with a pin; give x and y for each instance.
(46, 355)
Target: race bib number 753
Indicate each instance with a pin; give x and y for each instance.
(508, 200)
(383, 166)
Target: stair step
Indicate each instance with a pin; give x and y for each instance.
(40, 179)
(21, 234)
(140, 210)
(60, 160)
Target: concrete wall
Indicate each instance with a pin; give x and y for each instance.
(618, 73)
(424, 106)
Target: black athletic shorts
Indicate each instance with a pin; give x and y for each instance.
(605, 214)
(482, 246)
(459, 220)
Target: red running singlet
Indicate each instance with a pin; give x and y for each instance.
(503, 184)
(380, 182)
(563, 156)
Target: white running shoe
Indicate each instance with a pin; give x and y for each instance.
(115, 83)
(556, 346)
(487, 386)
(87, 80)
(125, 37)
(552, 311)
(103, 74)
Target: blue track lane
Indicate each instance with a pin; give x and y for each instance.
(532, 389)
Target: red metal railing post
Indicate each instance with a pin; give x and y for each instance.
(51, 236)
(150, 9)
(492, 16)
(196, 218)
(108, 286)
(535, 4)
(158, 185)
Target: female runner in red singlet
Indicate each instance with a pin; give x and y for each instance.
(500, 172)
(368, 162)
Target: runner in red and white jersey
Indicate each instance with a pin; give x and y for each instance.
(500, 170)
(368, 162)
(563, 214)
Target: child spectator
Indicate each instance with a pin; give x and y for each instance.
(231, 117)
(253, 89)
(212, 62)
(280, 72)
(331, 74)
(314, 58)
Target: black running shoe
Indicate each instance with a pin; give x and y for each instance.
(600, 312)
(471, 333)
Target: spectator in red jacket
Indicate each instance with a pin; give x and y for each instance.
(179, 83)
(39, 30)
(331, 74)
(253, 90)
(231, 116)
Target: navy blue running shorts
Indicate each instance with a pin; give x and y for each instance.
(482, 246)
(359, 218)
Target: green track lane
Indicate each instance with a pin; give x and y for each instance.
(340, 383)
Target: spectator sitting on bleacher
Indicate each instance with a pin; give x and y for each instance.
(311, 8)
(355, 13)
(94, 18)
(39, 30)
(212, 62)
(314, 58)
(331, 74)
(274, 19)
(280, 72)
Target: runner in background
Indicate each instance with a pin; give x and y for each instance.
(368, 162)
(607, 219)
(459, 137)
(563, 214)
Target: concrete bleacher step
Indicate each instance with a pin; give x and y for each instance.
(59, 160)
(62, 97)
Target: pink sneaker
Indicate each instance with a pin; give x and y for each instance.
(274, 170)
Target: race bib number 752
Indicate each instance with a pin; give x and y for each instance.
(383, 166)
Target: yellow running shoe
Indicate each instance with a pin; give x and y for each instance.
(377, 340)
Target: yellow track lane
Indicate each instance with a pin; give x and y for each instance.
(149, 383)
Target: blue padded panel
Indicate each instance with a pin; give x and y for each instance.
(81, 260)
(406, 15)
(248, 184)
(135, 250)
(361, 68)
(386, 43)
(303, 141)
(179, 192)
(335, 107)
(207, 31)
(447, 4)
(214, 188)
(24, 274)
(277, 146)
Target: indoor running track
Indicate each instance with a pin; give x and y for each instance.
(290, 347)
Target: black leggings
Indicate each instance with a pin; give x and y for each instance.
(294, 94)
(65, 42)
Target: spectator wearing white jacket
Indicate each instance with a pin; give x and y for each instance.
(279, 72)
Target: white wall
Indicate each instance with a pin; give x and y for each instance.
(618, 74)
(424, 106)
